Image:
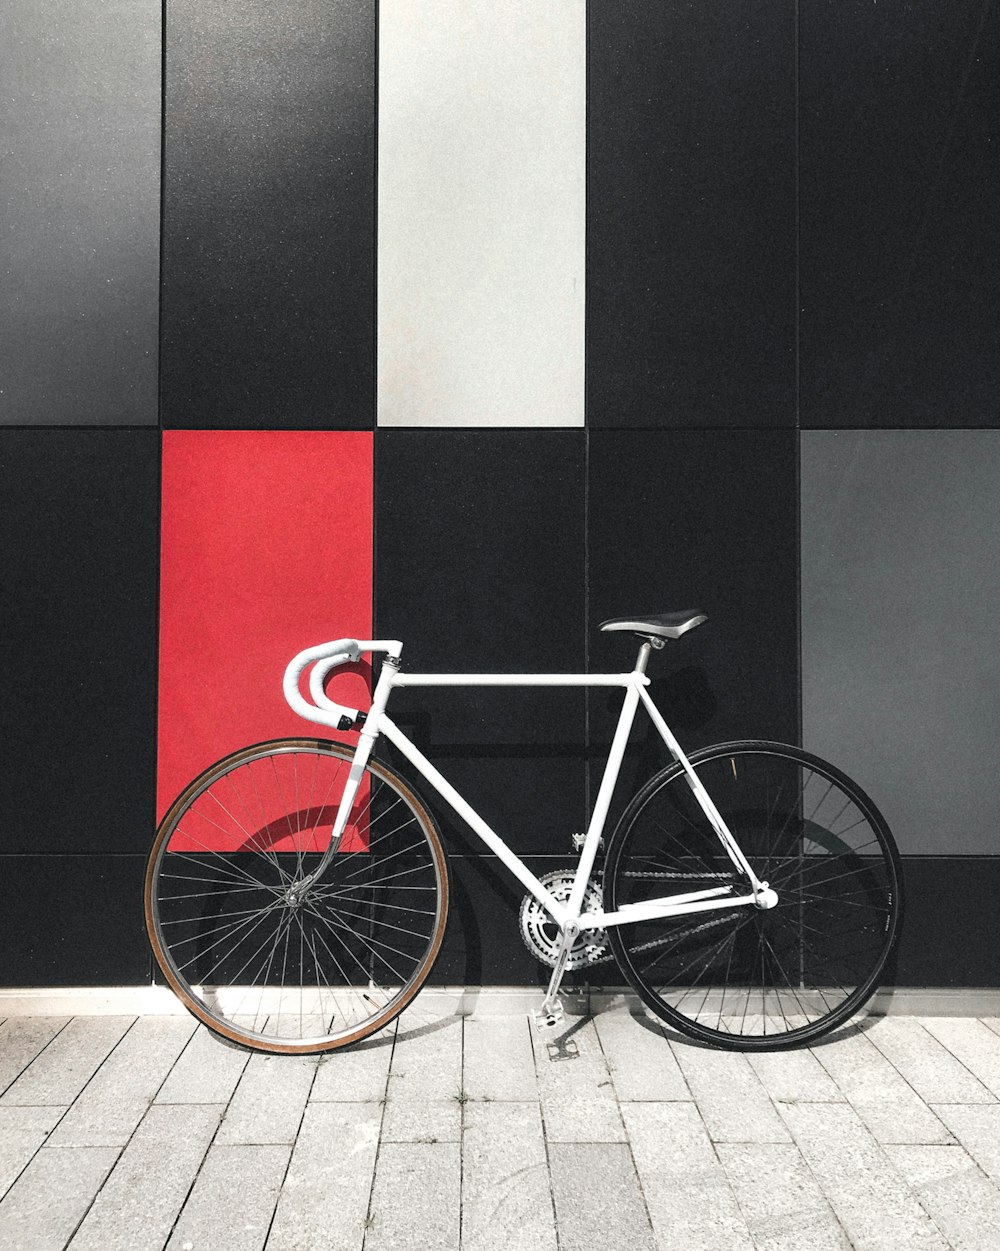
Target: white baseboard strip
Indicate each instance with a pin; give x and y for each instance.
(464, 1000)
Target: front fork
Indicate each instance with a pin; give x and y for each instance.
(366, 743)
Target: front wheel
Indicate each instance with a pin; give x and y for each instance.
(745, 977)
(255, 948)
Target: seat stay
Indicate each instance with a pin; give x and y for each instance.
(705, 802)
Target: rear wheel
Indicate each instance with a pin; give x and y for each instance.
(257, 956)
(746, 977)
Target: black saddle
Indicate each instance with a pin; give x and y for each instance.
(664, 625)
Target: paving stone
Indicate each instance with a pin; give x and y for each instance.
(324, 1201)
(973, 1043)
(422, 1120)
(60, 1072)
(780, 1199)
(859, 1180)
(357, 1074)
(268, 1103)
(964, 1203)
(21, 1039)
(206, 1072)
(690, 1200)
(640, 1060)
(794, 1077)
(977, 1128)
(598, 1198)
(506, 1197)
(117, 1096)
(733, 1103)
(577, 1093)
(498, 1058)
(416, 1198)
(927, 1064)
(45, 1204)
(886, 1103)
(233, 1200)
(426, 1060)
(140, 1200)
(22, 1132)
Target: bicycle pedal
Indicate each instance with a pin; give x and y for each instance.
(548, 1018)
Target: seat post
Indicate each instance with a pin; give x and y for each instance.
(643, 658)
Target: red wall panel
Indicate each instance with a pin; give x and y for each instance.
(266, 549)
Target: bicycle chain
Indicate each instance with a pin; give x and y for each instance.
(582, 958)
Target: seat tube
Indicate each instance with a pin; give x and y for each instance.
(611, 770)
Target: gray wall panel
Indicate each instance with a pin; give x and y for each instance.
(80, 206)
(901, 625)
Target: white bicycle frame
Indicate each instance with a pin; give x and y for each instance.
(569, 916)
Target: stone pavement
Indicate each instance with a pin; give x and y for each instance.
(474, 1132)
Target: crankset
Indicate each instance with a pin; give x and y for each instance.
(541, 933)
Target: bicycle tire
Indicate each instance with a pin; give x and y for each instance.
(221, 876)
(747, 978)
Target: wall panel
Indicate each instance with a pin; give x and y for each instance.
(74, 920)
(900, 193)
(269, 215)
(691, 214)
(266, 550)
(482, 115)
(80, 201)
(78, 530)
(900, 602)
(703, 519)
(480, 566)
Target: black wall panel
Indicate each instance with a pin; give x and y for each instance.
(79, 534)
(691, 214)
(269, 192)
(480, 566)
(950, 924)
(704, 519)
(900, 194)
(73, 920)
(80, 151)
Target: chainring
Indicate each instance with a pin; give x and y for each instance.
(541, 934)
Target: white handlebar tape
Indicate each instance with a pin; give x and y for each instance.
(325, 656)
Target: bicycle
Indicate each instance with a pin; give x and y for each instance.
(297, 891)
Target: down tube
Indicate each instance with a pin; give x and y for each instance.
(472, 818)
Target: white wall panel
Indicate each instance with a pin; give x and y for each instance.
(481, 212)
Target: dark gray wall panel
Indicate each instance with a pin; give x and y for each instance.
(900, 194)
(80, 536)
(705, 519)
(80, 203)
(480, 566)
(691, 214)
(269, 227)
(900, 603)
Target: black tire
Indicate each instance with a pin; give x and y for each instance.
(261, 966)
(748, 978)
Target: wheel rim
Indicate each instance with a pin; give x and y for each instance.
(259, 954)
(747, 976)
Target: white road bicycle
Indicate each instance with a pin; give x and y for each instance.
(297, 891)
